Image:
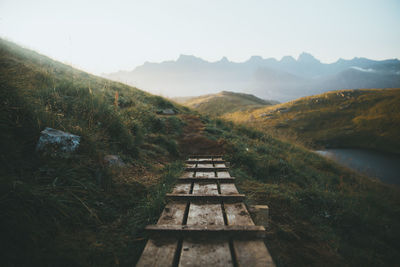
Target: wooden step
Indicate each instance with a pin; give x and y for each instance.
(204, 161)
(206, 169)
(208, 231)
(206, 179)
(206, 197)
(205, 222)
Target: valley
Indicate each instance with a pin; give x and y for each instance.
(78, 210)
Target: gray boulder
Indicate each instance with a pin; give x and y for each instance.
(53, 141)
(168, 111)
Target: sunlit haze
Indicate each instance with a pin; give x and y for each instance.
(106, 36)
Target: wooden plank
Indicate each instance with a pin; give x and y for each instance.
(219, 165)
(200, 253)
(205, 189)
(161, 251)
(223, 174)
(205, 165)
(205, 252)
(237, 214)
(248, 253)
(205, 174)
(206, 179)
(181, 188)
(211, 169)
(173, 214)
(205, 161)
(208, 198)
(208, 231)
(228, 189)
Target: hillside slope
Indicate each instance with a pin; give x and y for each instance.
(76, 210)
(346, 118)
(224, 102)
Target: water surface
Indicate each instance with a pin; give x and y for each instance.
(384, 166)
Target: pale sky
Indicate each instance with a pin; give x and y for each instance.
(106, 36)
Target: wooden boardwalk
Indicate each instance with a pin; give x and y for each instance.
(205, 223)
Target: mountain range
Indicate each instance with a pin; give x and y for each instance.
(281, 80)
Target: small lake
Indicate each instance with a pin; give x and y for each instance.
(384, 166)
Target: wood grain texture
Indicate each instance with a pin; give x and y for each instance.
(205, 189)
(205, 174)
(161, 251)
(197, 252)
(183, 188)
(223, 174)
(228, 189)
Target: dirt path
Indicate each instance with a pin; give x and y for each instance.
(194, 139)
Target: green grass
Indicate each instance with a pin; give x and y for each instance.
(224, 102)
(347, 118)
(320, 213)
(59, 210)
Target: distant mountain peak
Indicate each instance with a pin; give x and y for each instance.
(287, 59)
(255, 59)
(307, 58)
(224, 60)
(188, 58)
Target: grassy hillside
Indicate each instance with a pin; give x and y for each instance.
(346, 118)
(74, 210)
(224, 102)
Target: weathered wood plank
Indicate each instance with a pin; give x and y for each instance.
(208, 198)
(219, 165)
(205, 165)
(206, 179)
(205, 189)
(210, 169)
(228, 189)
(223, 174)
(205, 174)
(205, 161)
(173, 213)
(181, 188)
(205, 252)
(208, 231)
(205, 214)
(248, 253)
(200, 253)
(237, 214)
(161, 251)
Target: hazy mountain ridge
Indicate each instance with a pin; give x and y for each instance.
(283, 80)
